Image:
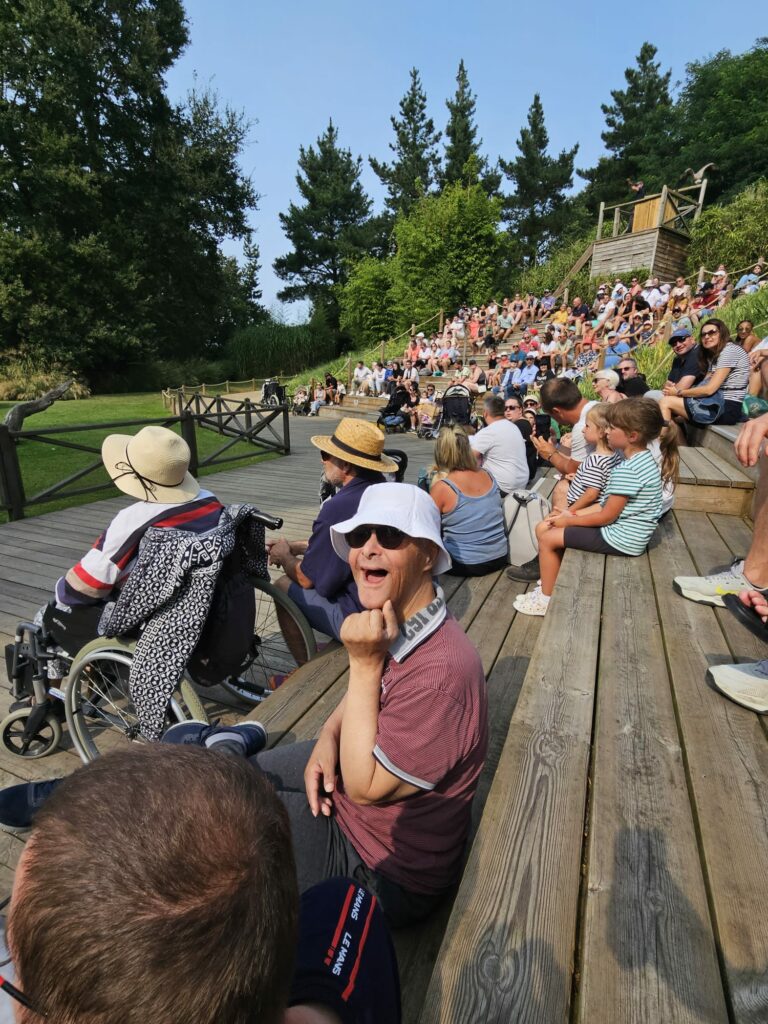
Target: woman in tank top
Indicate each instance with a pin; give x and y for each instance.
(470, 507)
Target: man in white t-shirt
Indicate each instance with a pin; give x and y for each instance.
(561, 399)
(500, 447)
(362, 379)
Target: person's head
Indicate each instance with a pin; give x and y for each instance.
(409, 364)
(453, 451)
(743, 330)
(713, 337)
(532, 403)
(627, 368)
(394, 548)
(605, 381)
(561, 399)
(430, 390)
(152, 465)
(360, 364)
(530, 415)
(493, 407)
(167, 874)
(529, 358)
(596, 425)
(636, 422)
(681, 341)
(355, 448)
(513, 410)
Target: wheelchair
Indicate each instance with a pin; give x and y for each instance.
(94, 697)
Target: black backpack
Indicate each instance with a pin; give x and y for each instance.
(227, 637)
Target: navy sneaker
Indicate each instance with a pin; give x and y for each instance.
(244, 738)
(18, 804)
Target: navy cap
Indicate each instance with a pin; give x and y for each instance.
(682, 332)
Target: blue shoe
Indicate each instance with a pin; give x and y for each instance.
(244, 738)
(18, 804)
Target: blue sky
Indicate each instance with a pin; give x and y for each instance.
(291, 66)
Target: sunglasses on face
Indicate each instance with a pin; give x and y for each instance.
(706, 334)
(389, 537)
(511, 408)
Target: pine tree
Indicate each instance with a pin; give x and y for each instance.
(462, 143)
(416, 166)
(537, 209)
(329, 231)
(640, 132)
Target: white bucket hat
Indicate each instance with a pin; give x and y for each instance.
(152, 465)
(403, 506)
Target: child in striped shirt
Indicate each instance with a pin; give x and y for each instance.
(630, 506)
(590, 479)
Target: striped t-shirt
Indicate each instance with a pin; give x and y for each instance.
(639, 480)
(734, 387)
(594, 472)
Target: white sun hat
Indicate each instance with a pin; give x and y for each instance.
(152, 465)
(403, 506)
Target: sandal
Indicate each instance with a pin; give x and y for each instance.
(748, 617)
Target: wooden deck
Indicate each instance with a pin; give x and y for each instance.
(620, 847)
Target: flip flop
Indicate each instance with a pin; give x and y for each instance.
(748, 617)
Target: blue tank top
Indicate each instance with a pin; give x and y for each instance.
(473, 531)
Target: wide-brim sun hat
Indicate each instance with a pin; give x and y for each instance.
(358, 442)
(152, 465)
(403, 506)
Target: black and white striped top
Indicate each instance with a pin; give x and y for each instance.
(734, 388)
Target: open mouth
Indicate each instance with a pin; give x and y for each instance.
(374, 576)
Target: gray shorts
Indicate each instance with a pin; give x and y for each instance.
(322, 613)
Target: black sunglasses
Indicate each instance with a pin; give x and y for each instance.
(706, 334)
(389, 537)
(511, 408)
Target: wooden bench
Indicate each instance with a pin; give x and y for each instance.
(710, 483)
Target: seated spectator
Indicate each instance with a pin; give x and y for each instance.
(725, 371)
(706, 300)
(469, 500)
(547, 304)
(413, 348)
(319, 398)
(632, 383)
(392, 415)
(425, 354)
(614, 349)
(410, 407)
(605, 383)
(461, 372)
(680, 293)
(548, 350)
(410, 372)
(720, 279)
(560, 316)
(523, 377)
(331, 388)
(517, 310)
(562, 400)
(619, 291)
(652, 294)
(578, 314)
(685, 369)
(379, 378)
(504, 326)
(201, 921)
(513, 411)
(476, 381)
(499, 447)
(749, 282)
(680, 320)
(745, 335)
(543, 425)
(362, 379)
(316, 579)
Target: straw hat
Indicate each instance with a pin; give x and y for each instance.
(358, 442)
(152, 465)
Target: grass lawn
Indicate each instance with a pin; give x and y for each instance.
(43, 463)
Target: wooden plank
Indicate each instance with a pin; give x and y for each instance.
(728, 500)
(706, 473)
(735, 476)
(687, 474)
(508, 951)
(727, 759)
(647, 951)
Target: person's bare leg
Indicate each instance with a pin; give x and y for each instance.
(551, 551)
(560, 494)
(756, 562)
(291, 632)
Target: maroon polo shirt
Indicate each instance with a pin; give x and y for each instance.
(433, 733)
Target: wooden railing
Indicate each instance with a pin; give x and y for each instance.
(241, 421)
(672, 208)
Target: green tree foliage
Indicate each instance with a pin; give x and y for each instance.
(463, 162)
(640, 133)
(368, 313)
(448, 252)
(735, 234)
(329, 230)
(723, 118)
(415, 168)
(538, 209)
(112, 200)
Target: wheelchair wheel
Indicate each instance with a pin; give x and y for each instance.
(45, 740)
(100, 712)
(269, 655)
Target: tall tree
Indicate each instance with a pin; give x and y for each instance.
(113, 201)
(639, 133)
(537, 210)
(329, 231)
(463, 162)
(417, 163)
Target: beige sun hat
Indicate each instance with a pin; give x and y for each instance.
(152, 465)
(358, 442)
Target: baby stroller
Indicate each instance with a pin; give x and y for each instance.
(392, 419)
(457, 408)
(301, 403)
(272, 392)
(427, 429)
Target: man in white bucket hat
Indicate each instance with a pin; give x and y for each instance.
(152, 466)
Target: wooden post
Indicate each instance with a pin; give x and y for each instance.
(616, 221)
(202, 389)
(189, 435)
(383, 351)
(662, 207)
(349, 374)
(248, 415)
(600, 218)
(702, 275)
(700, 203)
(566, 293)
(219, 415)
(287, 430)
(441, 322)
(226, 386)
(11, 483)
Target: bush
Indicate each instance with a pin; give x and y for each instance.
(264, 350)
(735, 234)
(367, 312)
(24, 380)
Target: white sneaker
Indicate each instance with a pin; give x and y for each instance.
(745, 684)
(532, 603)
(710, 589)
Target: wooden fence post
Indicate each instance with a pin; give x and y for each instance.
(189, 435)
(441, 322)
(11, 483)
(700, 279)
(226, 386)
(383, 352)
(616, 221)
(247, 413)
(600, 219)
(219, 415)
(287, 430)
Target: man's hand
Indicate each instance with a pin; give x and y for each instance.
(669, 389)
(751, 436)
(367, 635)
(279, 551)
(544, 447)
(321, 773)
(563, 520)
(566, 441)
